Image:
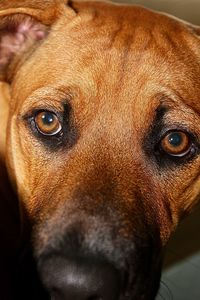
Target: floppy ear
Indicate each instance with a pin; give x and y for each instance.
(24, 24)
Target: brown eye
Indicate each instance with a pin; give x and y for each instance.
(47, 123)
(176, 143)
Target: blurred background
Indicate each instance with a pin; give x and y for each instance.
(181, 274)
(188, 10)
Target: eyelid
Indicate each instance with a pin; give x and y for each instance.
(30, 116)
(62, 141)
(42, 132)
(176, 151)
(182, 128)
(33, 111)
(47, 97)
(193, 149)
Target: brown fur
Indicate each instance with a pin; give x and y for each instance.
(114, 75)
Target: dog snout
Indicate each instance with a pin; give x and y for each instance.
(95, 257)
(80, 278)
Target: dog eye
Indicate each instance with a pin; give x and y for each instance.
(176, 143)
(47, 123)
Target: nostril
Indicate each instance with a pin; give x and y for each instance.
(80, 278)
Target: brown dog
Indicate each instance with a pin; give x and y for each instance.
(103, 139)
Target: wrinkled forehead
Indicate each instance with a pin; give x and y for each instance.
(111, 52)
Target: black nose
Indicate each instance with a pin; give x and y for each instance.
(80, 279)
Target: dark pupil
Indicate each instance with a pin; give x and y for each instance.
(175, 139)
(47, 119)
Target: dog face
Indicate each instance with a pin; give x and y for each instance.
(103, 140)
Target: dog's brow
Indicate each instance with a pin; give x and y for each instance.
(154, 130)
(157, 123)
(160, 112)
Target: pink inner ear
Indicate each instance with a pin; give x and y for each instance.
(14, 36)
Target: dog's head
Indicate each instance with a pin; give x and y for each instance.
(103, 139)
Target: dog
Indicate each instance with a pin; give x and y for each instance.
(102, 140)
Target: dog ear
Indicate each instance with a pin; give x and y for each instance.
(23, 25)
